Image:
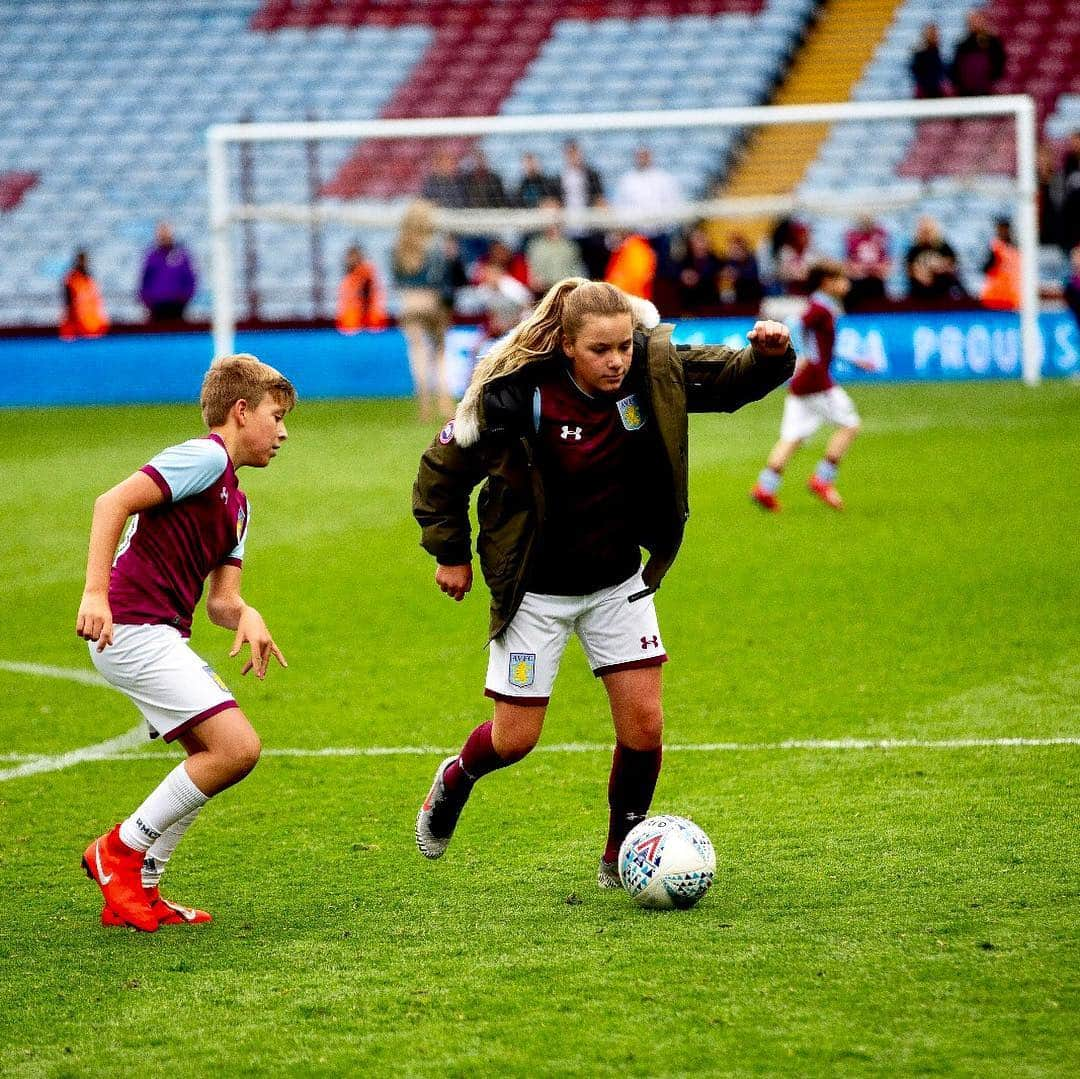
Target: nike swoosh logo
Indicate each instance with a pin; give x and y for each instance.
(103, 878)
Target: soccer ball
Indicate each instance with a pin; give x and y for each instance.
(666, 863)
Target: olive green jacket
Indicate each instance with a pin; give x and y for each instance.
(677, 380)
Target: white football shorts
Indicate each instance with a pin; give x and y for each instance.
(173, 688)
(615, 633)
(804, 415)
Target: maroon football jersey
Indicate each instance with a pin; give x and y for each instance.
(170, 550)
(819, 338)
(593, 457)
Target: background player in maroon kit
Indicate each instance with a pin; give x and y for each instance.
(577, 425)
(189, 523)
(813, 397)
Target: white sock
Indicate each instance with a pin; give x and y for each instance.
(173, 798)
(157, 857)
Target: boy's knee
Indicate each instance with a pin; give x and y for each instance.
(245, 753)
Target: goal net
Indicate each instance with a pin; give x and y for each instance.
(287, 199)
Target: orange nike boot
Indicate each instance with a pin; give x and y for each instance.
(117, 869)
(765, 500)
(165, 910)
(826, 492)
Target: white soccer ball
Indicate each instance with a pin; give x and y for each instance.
(666, 863)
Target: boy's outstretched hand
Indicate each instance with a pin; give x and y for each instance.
(769, 338)
(252, 629)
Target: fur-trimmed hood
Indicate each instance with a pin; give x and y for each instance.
(468, 418)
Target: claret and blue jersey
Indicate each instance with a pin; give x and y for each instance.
(170, 550)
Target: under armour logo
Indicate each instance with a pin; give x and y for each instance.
(224, 494)
(571, 433)
(653, 640)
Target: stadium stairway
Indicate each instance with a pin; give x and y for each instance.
(837, 48)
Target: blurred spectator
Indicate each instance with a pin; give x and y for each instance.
(420, 273)
(551, 256)
(632, 266)
(740, 280)
(1070, 194)
(84, 313)
(596, 246)
(647, 189)
(794, 256)
(1001, 289)
(979, 60)
(360, 296)
(927, 67)
(1072, 286)
(1050, 195)
(579, 183)
(502, 255)
(481, 186)
(867, 262)
(535, 184)
(456, 275)
(696, 269)
(932, 266)
(442, 185)
(168, 277)
(504, 299)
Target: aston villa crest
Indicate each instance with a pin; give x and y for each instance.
(522, 669)
(630, 413)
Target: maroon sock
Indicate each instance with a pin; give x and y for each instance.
(630, 790)
(478, 757)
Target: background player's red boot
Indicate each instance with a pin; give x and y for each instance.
(765, 500)
(826, 492)
(165, 910)
(117, 869)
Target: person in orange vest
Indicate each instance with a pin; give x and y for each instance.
(1001, 289)
(360, 295)
(84, 313)
(632, 266)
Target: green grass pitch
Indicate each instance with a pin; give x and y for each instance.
(904, 911)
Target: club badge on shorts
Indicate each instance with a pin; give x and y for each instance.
(522, 669)
(630, 413)
(215, 677)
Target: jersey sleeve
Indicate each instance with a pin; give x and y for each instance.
(187, 469)
(236, 555)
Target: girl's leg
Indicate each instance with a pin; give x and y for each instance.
(418, 349)
(438, 366)
(638, 715)
(502, 741)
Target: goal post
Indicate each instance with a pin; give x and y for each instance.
(849, 199)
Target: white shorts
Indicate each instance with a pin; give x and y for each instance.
(804, 415)
(173, 688)
(615, 633)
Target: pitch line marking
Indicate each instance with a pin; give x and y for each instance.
(110, 749)
(114, 749)
(68, 674)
